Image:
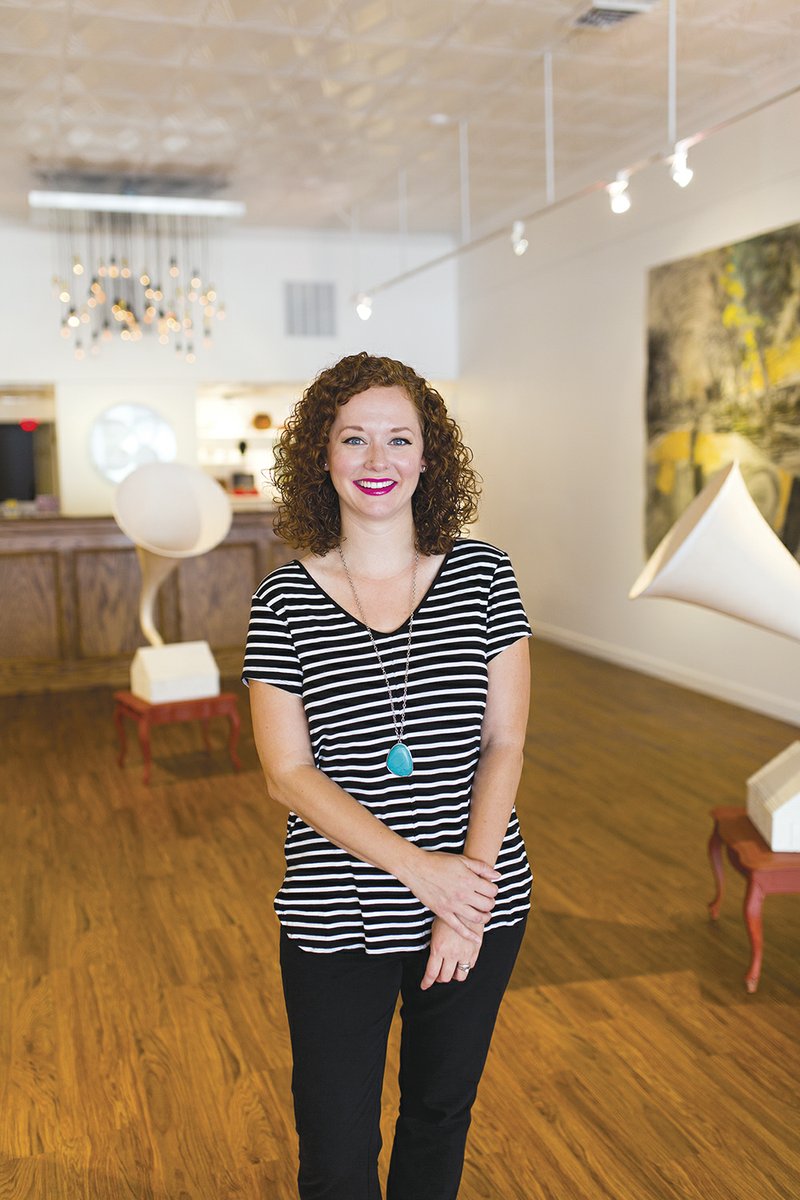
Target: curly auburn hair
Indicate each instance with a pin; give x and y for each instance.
(308, 516)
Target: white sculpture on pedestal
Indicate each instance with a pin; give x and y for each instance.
(170, 511)
(722, 555)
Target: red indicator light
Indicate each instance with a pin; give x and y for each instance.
(29, 424)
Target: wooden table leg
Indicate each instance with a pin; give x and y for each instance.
(144, 743)
(753, 901)
(119, 721)
(715, 856)
(233, 740)
(206, 738)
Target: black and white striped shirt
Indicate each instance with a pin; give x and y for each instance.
(301, 640)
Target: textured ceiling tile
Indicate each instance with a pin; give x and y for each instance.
(364, 18)
(157, 10)
(131, 40)
(31, 31)
(24, 72)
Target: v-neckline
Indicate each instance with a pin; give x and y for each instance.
(355, 619)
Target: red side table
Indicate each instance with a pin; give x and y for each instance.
(766, 871)
(146, 715)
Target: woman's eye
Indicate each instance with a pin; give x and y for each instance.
(353, 440)
(400, 441)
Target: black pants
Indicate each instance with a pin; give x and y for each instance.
(340, 1007)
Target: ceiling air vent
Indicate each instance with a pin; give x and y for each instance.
(604, 14)
(309, 309)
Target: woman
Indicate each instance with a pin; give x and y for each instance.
(389, 681)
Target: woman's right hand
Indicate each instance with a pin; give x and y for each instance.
(460, 890)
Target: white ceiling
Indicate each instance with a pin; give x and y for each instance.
(311, 108)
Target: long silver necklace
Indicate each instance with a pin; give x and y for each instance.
(398, 760)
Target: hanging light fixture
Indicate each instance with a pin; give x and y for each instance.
(618, 193)
(519, 243)
(364, 306)
(125, 255)
(680, 170)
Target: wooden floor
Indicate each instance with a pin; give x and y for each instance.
(143, 1047)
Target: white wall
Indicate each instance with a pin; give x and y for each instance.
(551, 393)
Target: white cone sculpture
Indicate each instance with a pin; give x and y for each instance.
(170, 511)
(722, 555)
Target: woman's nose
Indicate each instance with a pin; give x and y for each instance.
(376, 456)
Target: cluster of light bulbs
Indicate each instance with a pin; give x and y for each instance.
(131, 312)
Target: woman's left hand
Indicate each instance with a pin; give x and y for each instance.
(448, 949)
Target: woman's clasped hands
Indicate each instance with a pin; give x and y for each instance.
(461, 892)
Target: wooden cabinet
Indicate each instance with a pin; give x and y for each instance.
(69, 599)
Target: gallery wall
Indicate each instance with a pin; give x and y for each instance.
(551, 392)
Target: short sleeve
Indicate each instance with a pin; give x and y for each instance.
(270, 656)
(507, 621)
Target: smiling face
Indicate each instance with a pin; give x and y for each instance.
(375, 453)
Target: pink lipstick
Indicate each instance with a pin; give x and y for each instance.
(375, 487)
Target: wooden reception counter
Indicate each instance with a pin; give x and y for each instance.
(69, 596)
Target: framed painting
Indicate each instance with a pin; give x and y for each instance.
(723, 379)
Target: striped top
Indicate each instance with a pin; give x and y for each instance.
(301, 640)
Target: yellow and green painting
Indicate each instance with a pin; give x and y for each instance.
(723, 379)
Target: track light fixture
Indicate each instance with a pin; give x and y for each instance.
(519, 243)
(618, 193)
(680, 170)
(364, 306)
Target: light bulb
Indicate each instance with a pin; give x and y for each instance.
(174, 269)
(79, 351)
(65, 330)
(77, 266)
(196, 279)
(618, 193)
(680, 170)
(107, 334)
(364, 306)
(73, 320)
(126, 271)
(63, 296)
(113, 269)
(144, 279)
(212, 295)
(221, 313)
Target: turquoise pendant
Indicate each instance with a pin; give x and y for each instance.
(399, 760)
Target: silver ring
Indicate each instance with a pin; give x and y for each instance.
(464, 966)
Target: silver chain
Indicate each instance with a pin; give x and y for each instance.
(399, 722)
